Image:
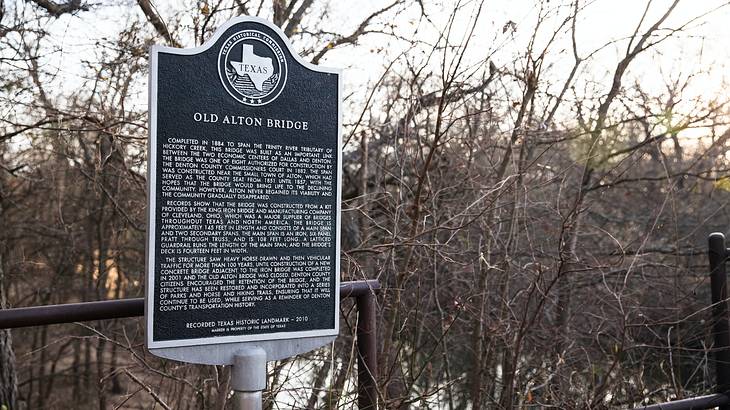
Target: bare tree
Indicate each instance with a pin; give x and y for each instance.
(538, 227)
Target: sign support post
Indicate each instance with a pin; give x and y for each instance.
(248, 378)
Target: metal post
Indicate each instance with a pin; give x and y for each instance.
(367, 352)
(721, 328)
(248, 378)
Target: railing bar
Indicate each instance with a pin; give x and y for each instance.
(695, 403)
(120, 308)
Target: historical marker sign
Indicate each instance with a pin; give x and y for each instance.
(244, 188)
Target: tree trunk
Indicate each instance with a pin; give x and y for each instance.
(8, 376)
(8, 380)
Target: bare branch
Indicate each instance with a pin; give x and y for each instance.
(59, 9)
(153, 17)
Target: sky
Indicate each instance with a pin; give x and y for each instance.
(603, 24)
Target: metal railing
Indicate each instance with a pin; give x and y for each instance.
(718, 254)
(363, 292)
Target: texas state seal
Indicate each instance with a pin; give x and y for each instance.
(252, 67)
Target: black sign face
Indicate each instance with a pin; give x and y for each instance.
(244, 188)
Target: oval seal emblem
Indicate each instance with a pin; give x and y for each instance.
(252, 67)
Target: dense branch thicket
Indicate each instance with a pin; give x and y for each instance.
(535, 208)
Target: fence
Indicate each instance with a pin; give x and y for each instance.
(363, 292)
